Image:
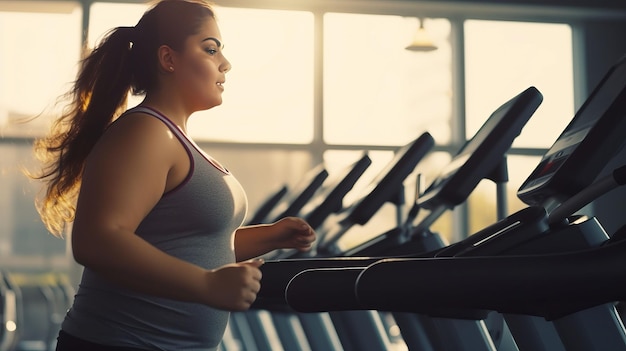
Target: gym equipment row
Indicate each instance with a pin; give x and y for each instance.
(484, 153)
(539, 279)
(32, 308)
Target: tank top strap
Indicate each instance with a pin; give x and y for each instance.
(179, 133)
(188, 142)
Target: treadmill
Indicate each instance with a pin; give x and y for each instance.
(481, 157)
(329, 199)
(386, 187)
(558, 266)
(266, 329)
(254, 330)
(263, 211)
(320, 330)
(11, 326)
(292, 201)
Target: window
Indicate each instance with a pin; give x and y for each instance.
(269, 91)
(375, 91)
(36, 66)
(35, 69)
(504, 58)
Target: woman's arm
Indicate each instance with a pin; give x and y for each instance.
(287, 233)
(128, 171)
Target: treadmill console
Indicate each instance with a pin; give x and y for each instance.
(482, 153)
(389, 181)
(582, 150)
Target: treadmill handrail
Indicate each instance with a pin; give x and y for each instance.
(549, 285)
(520, 284)
(278, 273)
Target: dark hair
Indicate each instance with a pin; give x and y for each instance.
(124, 61)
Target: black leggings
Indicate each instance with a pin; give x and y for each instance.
(67, 342)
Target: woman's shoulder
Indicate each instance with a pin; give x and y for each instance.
(138, 126)
(136, 133)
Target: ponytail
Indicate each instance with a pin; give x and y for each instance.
(98, 97)
(124, 61)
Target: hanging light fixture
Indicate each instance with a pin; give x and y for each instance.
(422, 40)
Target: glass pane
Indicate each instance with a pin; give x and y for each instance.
(36, 67)
(269, 91)
(375, 91)
(504, 58)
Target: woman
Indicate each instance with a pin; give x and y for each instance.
(155, 221)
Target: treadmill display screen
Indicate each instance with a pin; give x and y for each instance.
(482, 153)
(582, 168)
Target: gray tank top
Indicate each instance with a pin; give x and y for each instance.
(195, 222)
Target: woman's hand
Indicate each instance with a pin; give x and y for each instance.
(234, 287)
(293, 233)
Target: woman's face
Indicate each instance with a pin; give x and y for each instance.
(201, 68)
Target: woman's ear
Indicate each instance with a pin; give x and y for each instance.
(166, 58)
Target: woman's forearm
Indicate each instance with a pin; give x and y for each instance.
(286, 233)
(253, 241)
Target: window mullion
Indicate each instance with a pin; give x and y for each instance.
(318, 146)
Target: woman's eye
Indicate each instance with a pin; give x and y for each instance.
(211, 51)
